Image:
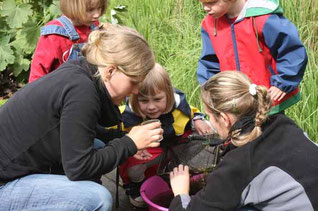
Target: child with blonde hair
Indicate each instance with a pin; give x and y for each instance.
(157, 99)
(254, 37)
(62, 39)
(267, 163)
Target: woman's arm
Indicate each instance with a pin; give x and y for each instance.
(223, 189)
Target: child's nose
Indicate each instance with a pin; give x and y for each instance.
(151, 105)
(97, 12)
(206, 8)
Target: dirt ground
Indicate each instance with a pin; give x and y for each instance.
(8, 85)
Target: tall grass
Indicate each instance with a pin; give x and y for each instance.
(172, 27)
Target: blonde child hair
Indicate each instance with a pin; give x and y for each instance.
(233, 92)
(76, 9)
(157, 80)
(120, 46)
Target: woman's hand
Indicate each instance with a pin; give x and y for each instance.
(143, 155)
(202, 127)
(146, 135)
(180, 180)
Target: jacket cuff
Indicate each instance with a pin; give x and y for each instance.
(130, 143)
(197, 116)
(180, 202)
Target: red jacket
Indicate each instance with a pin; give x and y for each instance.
(266, 48)
(50, 49)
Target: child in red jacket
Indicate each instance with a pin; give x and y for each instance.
(254, 37)
(63, 38)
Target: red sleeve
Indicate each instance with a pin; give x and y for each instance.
(50, 49)
(48, 53)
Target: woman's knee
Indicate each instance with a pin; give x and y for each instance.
(99, 198)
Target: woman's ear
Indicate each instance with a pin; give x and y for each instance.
(107, 72)
(225, 118)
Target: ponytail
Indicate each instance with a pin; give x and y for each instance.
(233, 92)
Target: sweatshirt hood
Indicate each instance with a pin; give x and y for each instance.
(254, 8)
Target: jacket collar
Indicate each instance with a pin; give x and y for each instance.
(110, 114)
(181, 102)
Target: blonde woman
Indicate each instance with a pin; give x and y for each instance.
(62, 39)
(268, 162)
(47, 159)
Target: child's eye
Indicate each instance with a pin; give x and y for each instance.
(143, 101)
(91, 9)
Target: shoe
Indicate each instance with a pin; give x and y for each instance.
(137, 202)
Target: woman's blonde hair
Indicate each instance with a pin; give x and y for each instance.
(120, 46)
(229, 91)
(157, 80)
(76, 9)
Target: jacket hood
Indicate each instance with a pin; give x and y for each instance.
(254, 8)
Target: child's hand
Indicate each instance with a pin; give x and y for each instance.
(202, 127)
(142, 155)
(276, 94)
(180, 180)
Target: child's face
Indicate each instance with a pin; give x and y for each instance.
(153, 106)
(92, 15)
(216, 8)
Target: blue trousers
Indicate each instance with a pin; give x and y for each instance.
(53, 192)
(37, 192)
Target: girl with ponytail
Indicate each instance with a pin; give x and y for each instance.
(268, 163)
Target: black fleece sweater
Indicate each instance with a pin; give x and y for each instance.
(276, 171)
(50, 125)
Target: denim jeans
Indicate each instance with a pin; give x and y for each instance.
(98, 144)
(53, 192)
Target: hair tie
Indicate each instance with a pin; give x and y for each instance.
(252, 89)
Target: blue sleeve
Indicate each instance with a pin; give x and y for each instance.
(281, 37)
(208, 62)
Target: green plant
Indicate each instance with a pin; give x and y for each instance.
(2, 102)
(20, 28)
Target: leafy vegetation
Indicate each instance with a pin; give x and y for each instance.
(20, 28)
(2, 102)
(172, 28)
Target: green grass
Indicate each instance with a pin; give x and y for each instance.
(172, 27)
(2, 102)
